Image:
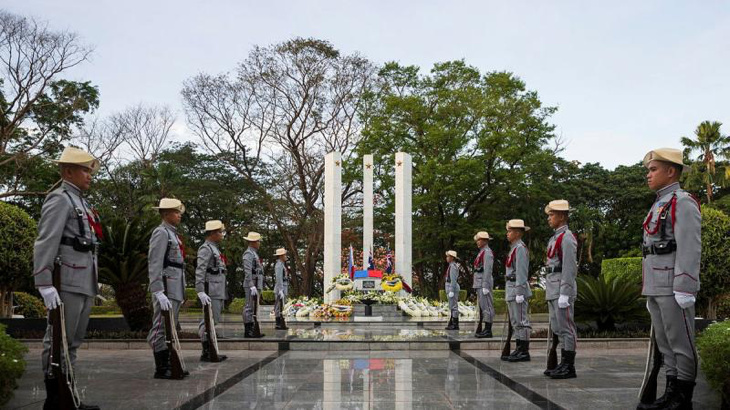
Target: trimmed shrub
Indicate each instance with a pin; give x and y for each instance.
(236, 306)
(443, 298)
(714, 348)
(267, 297)
(723, 306)
(628, 269)
(12, 365)
(538, 304)
(715, 265)
(17, 234)
(29, 306)
(191, 298)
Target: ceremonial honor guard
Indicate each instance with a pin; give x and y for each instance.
(518, 289)
(560, 270)
(210, 280)
(69, 231)
(253, 283)
(671, 275)
(166, 268)
(452, 290)
(281, 288)
(484, 282)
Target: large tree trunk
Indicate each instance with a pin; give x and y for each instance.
(132, 299)
(6, 303)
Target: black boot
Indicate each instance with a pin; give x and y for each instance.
(549, 372)
(682, 398)
(162, 365)
(523, 352)
(51, 402)
(567, 369)
(456, 323)
(450, 325)
(486, 332)
(205, 354)
(255, 330)
(280, 324)
(248, 330)
(283, 324)
(661, 402)
(83, 406)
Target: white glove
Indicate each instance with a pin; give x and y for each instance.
(204, 299)
(253, 290)
(164, 301)
(50, 297)
(519, 298)
(451, 295)
(563, 302)
(485, 291)
(684, 300)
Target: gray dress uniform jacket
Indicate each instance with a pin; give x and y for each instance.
(677, 215)
(211, 269)
(282, 278)
(452, 280)
(60, 219)
(562, 265)
(518, 265)
(164, 241)
(253, 270)
(483, 278)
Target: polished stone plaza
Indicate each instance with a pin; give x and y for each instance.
(437, 379)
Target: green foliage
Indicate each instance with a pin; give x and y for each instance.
(723, 306)
(236, 305)
(712, 146)
(443, 297)
(12, 365)
(29, 306)
(625, 269)
(123, 266)
(17, 234)
(538, 304)
(268, 297)
(191, 298)
(713, 345)
(715, 265)
(609, 301)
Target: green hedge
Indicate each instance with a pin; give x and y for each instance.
(191, 298)
(236, 305)
(443, 298)
(624, 268)
(537, 301)
(714, 348)
(12, 365)
(29, 306)
(267, 297)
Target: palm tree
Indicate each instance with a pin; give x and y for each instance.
(712, 147)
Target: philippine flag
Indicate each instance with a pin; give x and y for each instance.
(351, 264)
(371, 265)
(388, 262)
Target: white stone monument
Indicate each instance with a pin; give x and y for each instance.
(367, 211)
(332, 222)
(403, 216)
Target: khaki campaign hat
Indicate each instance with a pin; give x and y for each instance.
(253, 237)
(77, 156)
(451, 253)
(280, 251)
(481, 235)
(560, 205)
(671, 155)
(517, 224)
(171, 203)
(214, 226)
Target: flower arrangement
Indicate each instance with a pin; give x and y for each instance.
(394, 283)
(341, 282)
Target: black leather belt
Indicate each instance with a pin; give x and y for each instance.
(72, 242)
(511, 278)
(173, 264)
(659, 248)
(553, 269)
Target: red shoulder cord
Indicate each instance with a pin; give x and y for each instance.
(224, 259)
(672, 203)
(180, 244)
(480, 259)
(508, 262)
(95, 223)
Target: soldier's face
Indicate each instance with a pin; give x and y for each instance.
(659, 175)
(173, 217)
(513, 235)
(282, 258)
(217, 236)
(556, 219)
(254, 245)
(79, 176)
(481, 243)
(449, 258)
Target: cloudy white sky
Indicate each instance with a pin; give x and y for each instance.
(627, 76)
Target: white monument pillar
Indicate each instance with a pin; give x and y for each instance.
(367, 208)
(403, 216)
(332, 221)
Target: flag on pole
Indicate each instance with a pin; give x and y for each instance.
(371, 265)
(388, 262)
(351, 264)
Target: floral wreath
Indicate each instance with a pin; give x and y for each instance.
(394, 283)
(341, 282)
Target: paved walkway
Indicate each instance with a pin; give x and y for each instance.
(608, 379)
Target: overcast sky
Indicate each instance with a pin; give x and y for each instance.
(627, 76)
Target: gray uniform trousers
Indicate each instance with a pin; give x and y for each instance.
(248, 308)
(454, 305)
(77, 308)
(675, 336)
(486, 303)
(156, 337)
(217, 306)
(520, 319)
(562, 323)
(279, 301)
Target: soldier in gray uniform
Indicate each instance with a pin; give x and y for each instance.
(69, 229)
(484, 282)
(672, 248)
(281, 287)
(518, 292)
(561, 269)
(211, 271)
(253, 283)
(165, 262)
(452, 290)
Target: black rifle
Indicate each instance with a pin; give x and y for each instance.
(647, 394)
(256, 328)
(507, 345)
(177, 366)
(67, 398)
(552, 351)
(210, 330)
